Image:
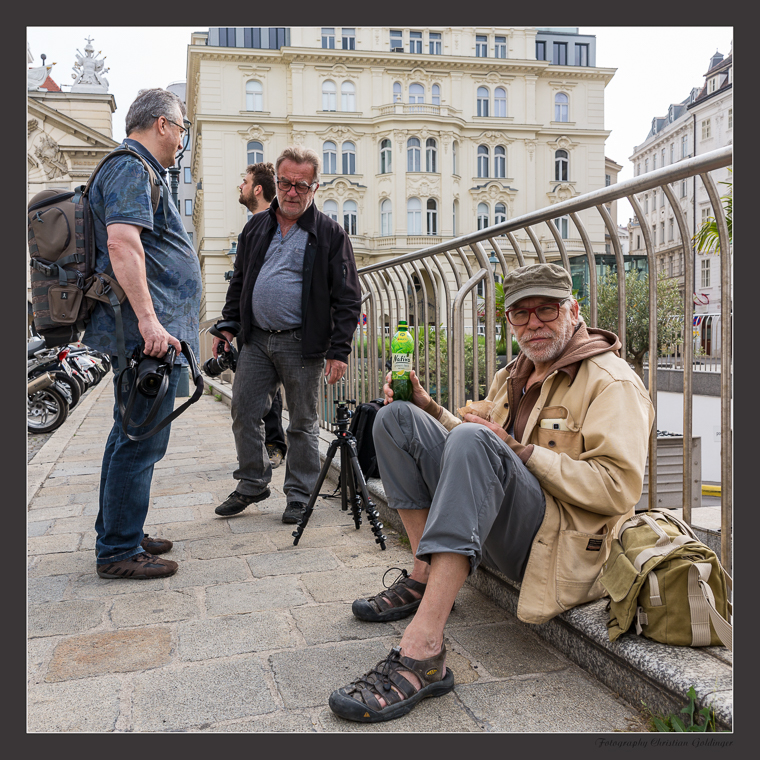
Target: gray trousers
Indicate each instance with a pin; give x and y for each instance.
(483, 501)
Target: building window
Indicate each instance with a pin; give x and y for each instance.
(705, 273)
(483, 97)
(416, 95)
(646, 165)
(434, 40)
(638, 169)
(348, 151)
(663, 156)
(684, 146)
(500, 162)
(254, 96)
(654, 162)
(188, 207)
(712, 85)
(413, 217)
(561, 165)
(347, 97)
(540, 50)
(500, 102)
(646, 204)
(581, 54)
(436, 98)
(454, 146)
(638, 242)
(349, 39)
(190, 234)
(730, 118)
(386, 218)
(561, 107)
(413, 162)
(654, 200)
(562, 224)
(672, 152)
(483, 160)
(500, 47)
(559, 56)
(397, 41)
(255, 152)
(415, 42)
(386, 155)
(670, 229)
(662, 199)
(705, 214)
(188, 175)
(654, 240)
(607, 180)
(349, 217)
(328, 37)
(481, 45)
(331, 209)
(329, 158)
(500, 213)
(482, 216)
(454, 217)
(431, 155)
(662, 234)
(683, 188)
(706, 129)
(397, 92)
(432, 217)
(328, 95)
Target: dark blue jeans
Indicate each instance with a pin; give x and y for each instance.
(127, 472)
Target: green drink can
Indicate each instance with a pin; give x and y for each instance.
(402, 350)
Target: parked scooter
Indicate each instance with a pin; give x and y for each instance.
(41, 359)
(47, 409)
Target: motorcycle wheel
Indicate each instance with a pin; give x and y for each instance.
(80, 382)
(72, 387)
(46, 410)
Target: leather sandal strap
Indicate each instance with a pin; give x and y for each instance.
(399, 594)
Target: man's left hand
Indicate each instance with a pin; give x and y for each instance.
(490, 425)
(334, 370)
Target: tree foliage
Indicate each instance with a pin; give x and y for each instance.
(669, 313)
(707, 239)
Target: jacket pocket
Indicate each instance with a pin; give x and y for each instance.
(580, 559)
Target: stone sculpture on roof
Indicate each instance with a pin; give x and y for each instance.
(89, 71)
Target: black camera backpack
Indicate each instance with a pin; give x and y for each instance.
(361, 428)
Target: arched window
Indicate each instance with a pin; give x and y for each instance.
(413, 155)
(331, 209)
(500, 161)
(482, 160)
(255, 152)
(454, 146)
(561, 107)
(436, 98)
(349, 217)
(562, 223)
(386, 154)
(499, 213)
(347, 99)
(432, 217)
(329, 158)
(499, 102)
(413, 217)
(328, 95)
(482, 216)
(561, 165)
(416, 93)
(483, 98)
(431, 155)
(254, 96)
(397, 92)
(348, 150)
(386, 218)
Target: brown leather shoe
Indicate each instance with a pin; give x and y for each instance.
(156, 545)
(139, 567)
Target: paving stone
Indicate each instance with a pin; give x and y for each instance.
(283, 721)
(53, 544)
(38, 653)
(153, 607)
(198, 694)
(168, 515)
(190, 462)
(68, 471)
(228, 546)
(321, 623)
(53, 513)
(50, 588)
(87, 706)
(110, 652)
(235, 634)
(362, 551)
(70, 563)
(66, 617)
(340, 585)
(89, 585)
(181, 500)
(38, 528)
(81, 524)
(209, 572)
(263, 594)
(291, 561)
(197, 529)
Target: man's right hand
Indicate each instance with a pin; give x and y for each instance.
(420, 397)
(216, 341)
(157, 339)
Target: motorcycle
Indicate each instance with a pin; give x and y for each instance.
(41, 359)
(47, 409)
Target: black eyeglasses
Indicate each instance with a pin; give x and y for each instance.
(301, 187)
(182, 130)
(546, 312)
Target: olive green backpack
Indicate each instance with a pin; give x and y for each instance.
(661, 577)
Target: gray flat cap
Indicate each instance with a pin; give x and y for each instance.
(548, 280)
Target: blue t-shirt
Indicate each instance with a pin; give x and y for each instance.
(121, 193)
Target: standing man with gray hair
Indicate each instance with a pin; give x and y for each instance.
(153, 260)
(295, 293)
(536, 483)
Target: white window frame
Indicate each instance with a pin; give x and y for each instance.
(562, 223)
(706, 129)
(561, 107)
(347, 96)
(328, 38)
(386, 218)
(329, 95)
(454, 146)
(414, 216)
(397, 92)
(481, 46)
(431, 155)
(435, 43)
(482, 216)
(188, 206)
(254, 95)
(386, 156)
(329, 157)
(483, 160)
(348, 38)
(500, 213)
(500, 47)
(435, 97)
(350, 216)
(483, 97)
(330, 208)
(500, 162)
(500, 102)
(561, 166)
(431, 214)
(396, 39)
(704, 273)
(254, 152)
(415, 42)
(413, 155)
(348, 157)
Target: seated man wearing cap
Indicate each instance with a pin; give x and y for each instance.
(536, 490)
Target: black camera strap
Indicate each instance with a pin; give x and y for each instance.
(126, 410)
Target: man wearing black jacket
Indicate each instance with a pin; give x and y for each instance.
(295, 292)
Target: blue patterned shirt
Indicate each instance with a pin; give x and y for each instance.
(121, 193)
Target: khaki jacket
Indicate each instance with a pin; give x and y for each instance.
(591, 474)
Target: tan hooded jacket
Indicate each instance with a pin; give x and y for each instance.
(591, 470)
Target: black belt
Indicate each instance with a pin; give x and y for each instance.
(274, 332)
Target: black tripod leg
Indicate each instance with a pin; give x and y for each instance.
(298, 532)
(372, 513)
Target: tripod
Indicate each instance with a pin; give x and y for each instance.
(350, 476)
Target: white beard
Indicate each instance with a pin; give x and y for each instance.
(550, 351)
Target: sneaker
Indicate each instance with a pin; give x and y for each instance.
(275, 455)
(294, 512)
(140, 567)
(237, 502)
(156, 545)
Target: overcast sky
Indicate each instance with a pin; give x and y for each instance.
(656, 66)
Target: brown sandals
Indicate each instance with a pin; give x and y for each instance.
(394, 603)
(359, 700)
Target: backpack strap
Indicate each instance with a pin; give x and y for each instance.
(702, 608)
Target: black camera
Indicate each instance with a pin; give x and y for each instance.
(225, 359)
(151, 371)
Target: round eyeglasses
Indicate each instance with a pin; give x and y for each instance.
(546, 312)
(301, 187)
